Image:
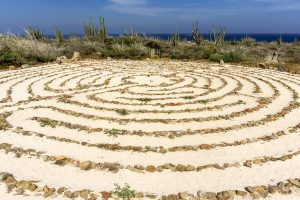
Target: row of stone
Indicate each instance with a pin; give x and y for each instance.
(172, 134)
(117, 147)
(115, 167)
(254, 192)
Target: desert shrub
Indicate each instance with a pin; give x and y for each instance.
(20, 50)
(216, 57)
(125, 193)
(7, 57)
(34, 33)
(233, 57)
(208, 51)
(230, 57)
(81, 46)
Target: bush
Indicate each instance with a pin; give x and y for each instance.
(125, 193)
(230, 57)
(207, 51)
(10, 58)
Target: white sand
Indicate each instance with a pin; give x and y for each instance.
(157, 80)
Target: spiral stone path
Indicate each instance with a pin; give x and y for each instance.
(170, 130)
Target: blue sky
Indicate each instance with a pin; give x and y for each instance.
(153, 16)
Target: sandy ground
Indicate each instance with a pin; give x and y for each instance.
(159, 97)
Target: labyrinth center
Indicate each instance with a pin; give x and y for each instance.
(162, 127)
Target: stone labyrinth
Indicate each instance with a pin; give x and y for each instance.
(170, 130)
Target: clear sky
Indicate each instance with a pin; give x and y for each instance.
(153, 16)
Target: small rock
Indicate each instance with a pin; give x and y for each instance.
(4, 176)
(150, 168)
(61, 59)
(167, 166)
(108, 59)
(10, 180)
(84, 194)
(85, 165)
(33, 187)
(248, 163)
(173, 197)
(295, 182)
(222, 62)
(205, 146)
(241, 193)
(225, 195)
(11, 67)
(262, 65)
(272, 58)
(61, 190)
(181, 168)
(134, 169)
(76, 56)
(25, 66)
(150, 196)
(139, 195)
(190, 168)
(282, 69)
(105, 195)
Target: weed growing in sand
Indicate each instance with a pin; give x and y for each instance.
(125, 192)
(45, 122)
(203, 101)
(113, 133)
(188, 97)
(145, 100)
(122, 112)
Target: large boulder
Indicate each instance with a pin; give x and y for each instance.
(272, 58)
(61, 59)
(12, 67)
(76, 56)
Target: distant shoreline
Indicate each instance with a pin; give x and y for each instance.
(258, 37)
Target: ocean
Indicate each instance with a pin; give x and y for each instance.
(228, 37)
(238, 36)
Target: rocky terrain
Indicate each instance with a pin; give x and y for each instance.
(149, 130)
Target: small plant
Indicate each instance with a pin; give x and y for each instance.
(279, 41)
(122, 112)
(217, 35)
(125, 193)
(58, 35)
(113, 133)
(34, 33)
(188, 97)
(45, 122)
(175, 38)
(203, 101)
(197, 38)
(145, 100)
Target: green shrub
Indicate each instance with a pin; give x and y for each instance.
(125, 193)
(207, 51)
(230, 57)
(10, 58)
(216, 57)
(233, 57)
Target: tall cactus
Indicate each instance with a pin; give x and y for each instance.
(102, 29)
(175, 38)
(93, 33)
